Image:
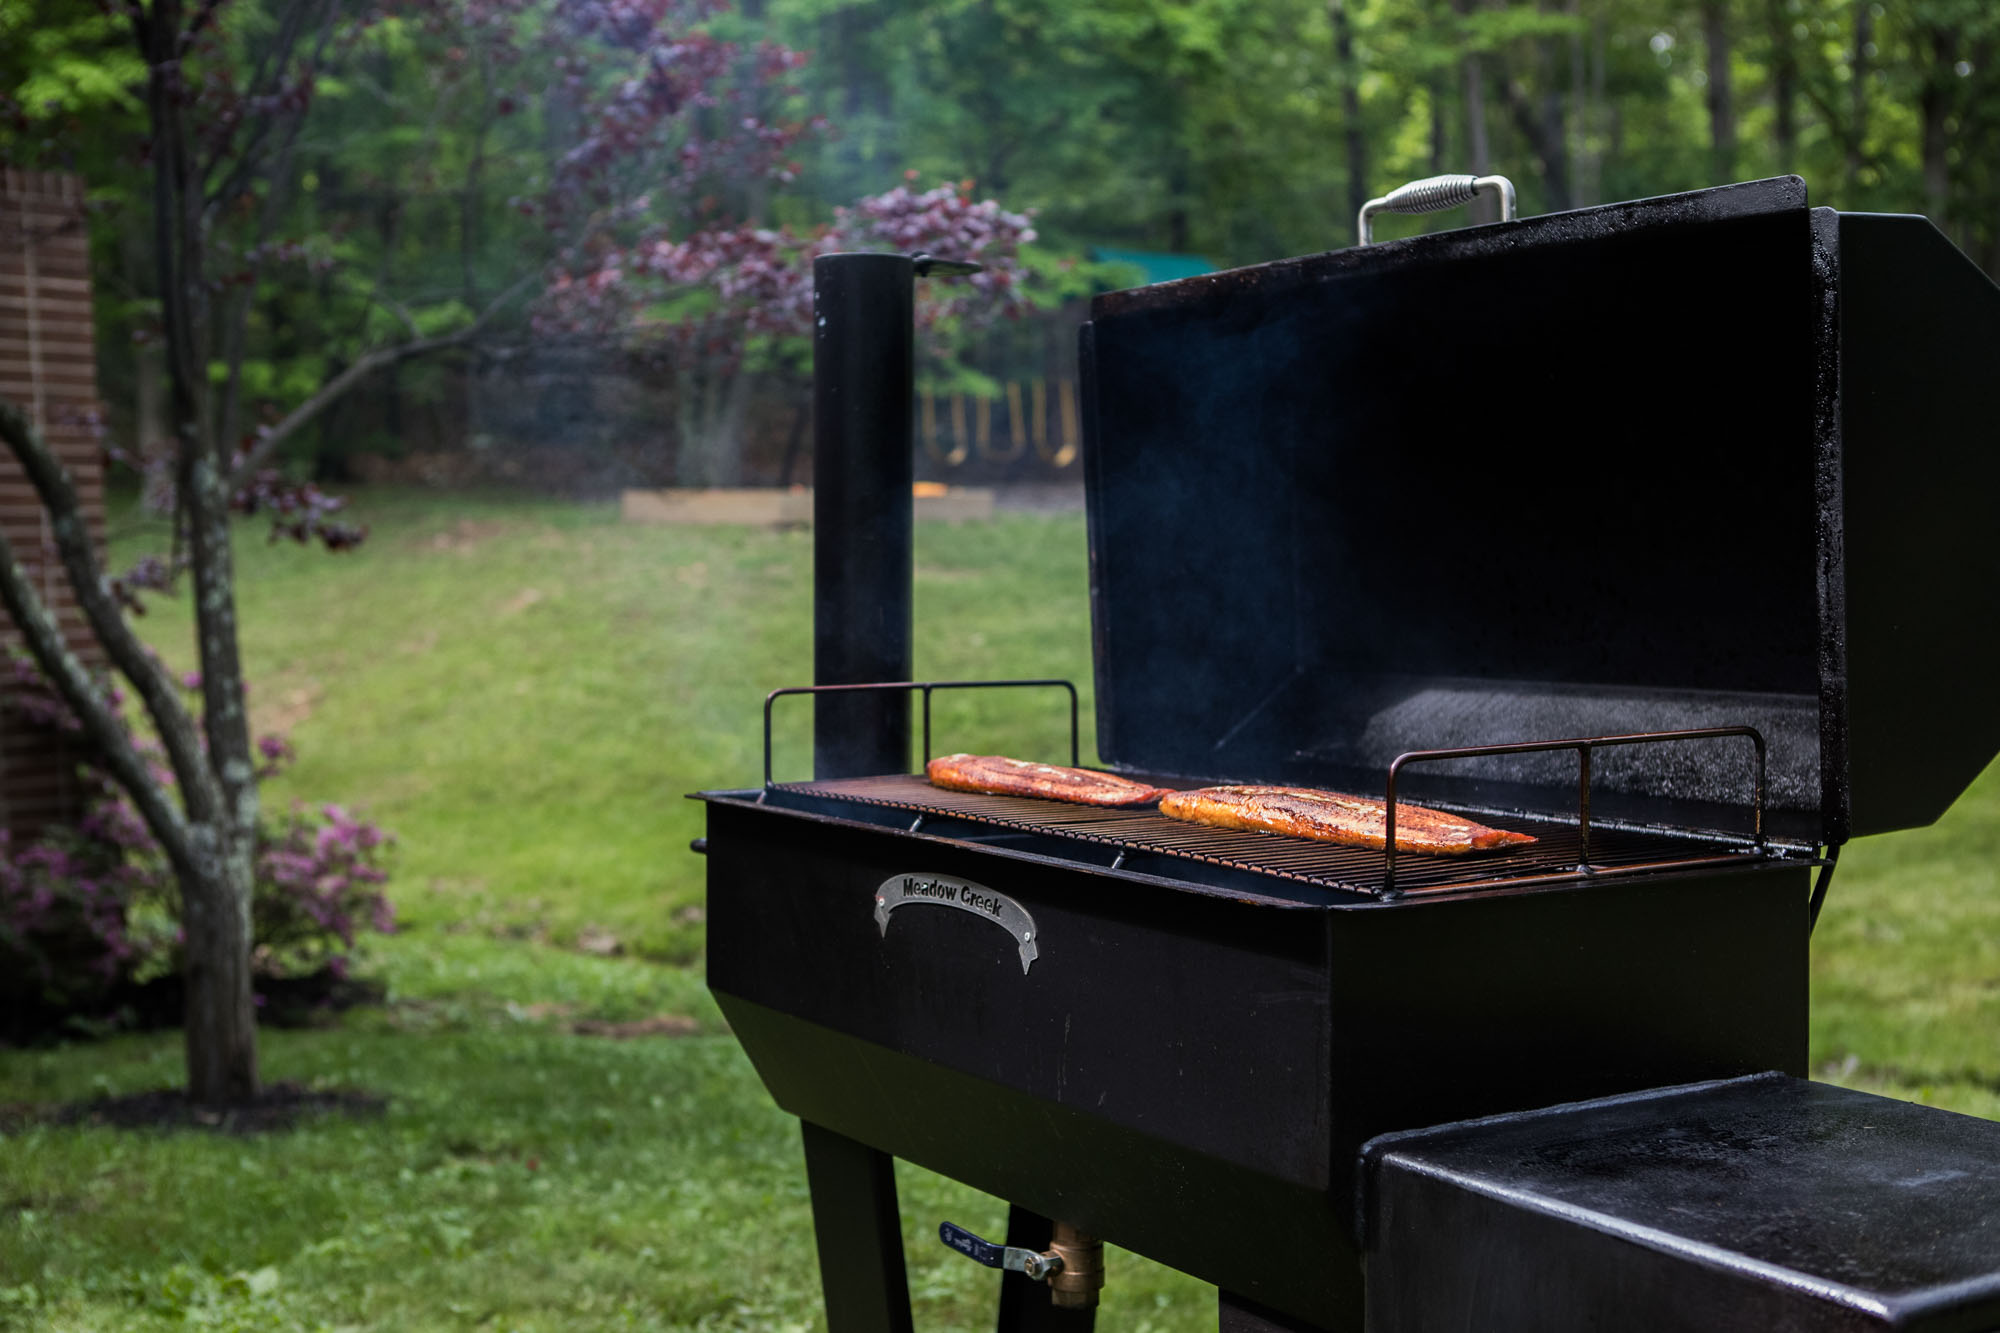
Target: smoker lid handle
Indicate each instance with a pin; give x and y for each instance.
(1434, 194)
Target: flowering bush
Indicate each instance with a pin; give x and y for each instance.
(319, 876)
(64, 921)
(87, 910)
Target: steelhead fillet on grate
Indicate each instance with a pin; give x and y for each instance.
(997, 775)
(1331, 816)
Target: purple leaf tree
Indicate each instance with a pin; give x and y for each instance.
(665, 149)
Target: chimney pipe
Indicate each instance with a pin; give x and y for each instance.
(863, 384)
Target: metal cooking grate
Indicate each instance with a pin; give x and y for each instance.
(1555, 856)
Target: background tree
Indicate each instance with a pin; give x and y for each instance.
(1231, 130)
(265, 232)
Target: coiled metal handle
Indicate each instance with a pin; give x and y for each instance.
(1434, 194)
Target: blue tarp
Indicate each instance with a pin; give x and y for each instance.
(1156, 265)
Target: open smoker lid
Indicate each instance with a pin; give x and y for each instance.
(1705, 460)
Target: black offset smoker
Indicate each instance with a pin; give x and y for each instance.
(1660, 531)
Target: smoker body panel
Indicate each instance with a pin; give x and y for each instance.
(1140, 1005)
(1921, 467)
(1285, 1244)
(1764, 1202)
(1191, 1075)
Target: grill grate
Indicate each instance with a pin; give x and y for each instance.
(1556, 856)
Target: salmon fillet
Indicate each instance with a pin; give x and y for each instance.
(1331, 816)
(997, 775)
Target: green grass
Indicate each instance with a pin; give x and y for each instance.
(524, 691)
(1906, 961)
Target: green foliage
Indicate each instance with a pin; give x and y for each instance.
(64, 62)
(1220, 127)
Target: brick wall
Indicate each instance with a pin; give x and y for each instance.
(48, 367)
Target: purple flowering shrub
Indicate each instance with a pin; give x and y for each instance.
(88, 909)
(66, 928)
(319, 878)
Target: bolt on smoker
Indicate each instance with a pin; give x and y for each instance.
(1661, 531)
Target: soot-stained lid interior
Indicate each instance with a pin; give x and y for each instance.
(1562, 476)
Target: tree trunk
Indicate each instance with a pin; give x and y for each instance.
(1784, 84)
(149, 366)
(1578, 138)
(1440, 129)
(215, 882)
(1721, 91)
(149, 427)
(795, 443)
(221, 1007)
(1552, 142)
(1543, 133)
(1935, 104)
(866, 107)
(1555, 129)
(712, 407)
(221, 1010)
(1857, 125)
(1479, 157)
(1353, 132)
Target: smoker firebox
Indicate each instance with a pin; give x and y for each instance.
(1721, 468)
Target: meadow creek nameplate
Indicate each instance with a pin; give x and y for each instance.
(944, 891)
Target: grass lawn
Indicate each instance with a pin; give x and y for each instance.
(524, 691)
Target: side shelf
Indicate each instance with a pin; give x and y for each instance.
(1762, 1202)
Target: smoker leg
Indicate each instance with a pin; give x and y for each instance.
(1239, 1314)
(859, 1234)
(1024, 1305)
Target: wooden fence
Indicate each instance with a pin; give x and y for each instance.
(1032, 429)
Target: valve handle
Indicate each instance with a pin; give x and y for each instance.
(1036, 1266)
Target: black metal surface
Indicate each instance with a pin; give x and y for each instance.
(1818, 901)
(1190, 1074)
(1633, 517)
(863, 342)
(1143, 837)
(1234, 1314)
(1919, 329)
(1760, 1203)
(861, 1272)
(929, 265)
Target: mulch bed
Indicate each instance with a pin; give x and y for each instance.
(279, 1107)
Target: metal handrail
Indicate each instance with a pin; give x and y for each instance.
(1583, 745)
(927, 686)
